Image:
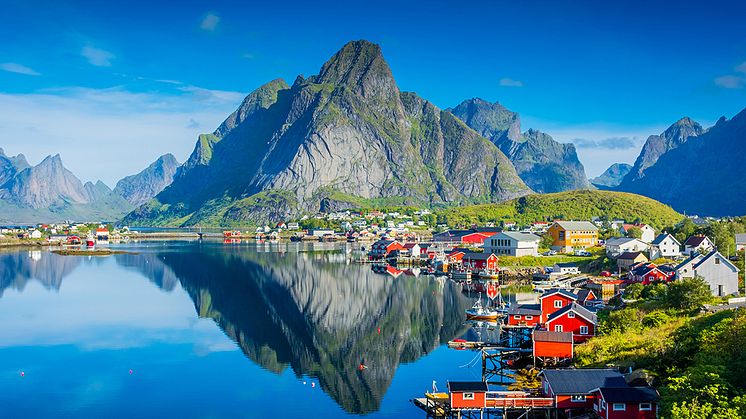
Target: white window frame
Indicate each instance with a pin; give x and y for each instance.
(469, 396)
(571, 315)
(578, 398)
(558, 328)
(615, 407)
(517, 316)
(646, 407)
(529, 317)
(583, 330)
(558, 304)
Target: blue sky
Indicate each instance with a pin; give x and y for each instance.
(112, 85)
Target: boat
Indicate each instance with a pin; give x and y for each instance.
(489, 274)
(90, 241)
(296, 238)
(479, 312)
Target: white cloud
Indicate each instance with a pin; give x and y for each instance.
(97, 56)
(730, 82)
(741, 68)
(110, 133)
(508, 82)
(18, 68)
(210, 22)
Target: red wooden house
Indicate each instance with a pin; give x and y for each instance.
(463, 236)
(572, 389)
(553, 300)
(480, 261)
(626, 402)
(588, 299)
(573, 318)
(556, 345)
(648, 273)
(468, 394)
(525, 315)
(383, 248)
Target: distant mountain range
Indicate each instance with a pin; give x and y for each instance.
(613, 176)
(543, 163)
(48, 192)
(695, 170)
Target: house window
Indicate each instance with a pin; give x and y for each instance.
(558, 304)
(619, 407)
(517, 317)
(646, 406)
(529, 317)
(558, 328)
(577, 398)
(470, 396)
(717, 261)
(571, 315)
(583, 330)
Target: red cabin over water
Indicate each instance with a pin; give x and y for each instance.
(525, 315)
(480, 261)
(548, 344)
(468, 394)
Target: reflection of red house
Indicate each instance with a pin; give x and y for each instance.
(553, 300)
(548, 344)
(468, 394)
(573, 318)
(383, 248)
(480, 261)
(526, 315)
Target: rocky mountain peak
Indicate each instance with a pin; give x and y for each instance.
(260, 98)
(139, 188)
(491, 120)
(360, 66)
(682, 129)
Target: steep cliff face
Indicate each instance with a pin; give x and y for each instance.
(657, 145)
(346, 133)
(698, 174)
(10, 165)
(612, 176)
(139, 188)
(544, 164)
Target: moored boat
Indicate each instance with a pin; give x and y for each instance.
(479, 312)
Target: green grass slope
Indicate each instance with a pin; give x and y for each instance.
(570, 205)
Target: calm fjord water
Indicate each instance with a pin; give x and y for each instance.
(190, 329)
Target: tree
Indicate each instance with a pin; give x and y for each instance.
(634, 291)
(634, 232)
(546, 241)
(654, 291)
(684, 230)
(688, 294)
(621, 321)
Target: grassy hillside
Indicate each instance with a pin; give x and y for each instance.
(571, 205)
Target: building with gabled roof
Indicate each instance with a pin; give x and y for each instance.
(628, 259)
(513, 244)
(698, 244)
(572, 388)
(665, 246)
(573, 318)
(571, 235)
(626, 402)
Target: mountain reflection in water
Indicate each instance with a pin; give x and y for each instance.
(312, 312)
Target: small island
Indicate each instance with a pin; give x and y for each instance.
(91, 252)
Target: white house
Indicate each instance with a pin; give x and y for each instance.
(665, 246)
(698, 244)
(565, 269)
(513, 244)
(618, 245)
(293, 226)
(35, 234)
(320, 232)
(719, 273)
(648, 233)
(740, 242)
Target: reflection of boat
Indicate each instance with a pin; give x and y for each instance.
(479, 312)
(461, 274)
(489, 274)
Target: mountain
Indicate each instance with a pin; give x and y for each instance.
(326, 142)
(10, 165)
(701, 173)
(543, 163)
(49, 192)
(569, 205)
(658, 145)
(613, 176)
(141, 187)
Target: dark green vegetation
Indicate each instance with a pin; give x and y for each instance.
(697, 360)
(692, 169)
(571, 205)
(543, 163)
(344, 138)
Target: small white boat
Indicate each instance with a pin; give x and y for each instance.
(461, 275)
(479, 312)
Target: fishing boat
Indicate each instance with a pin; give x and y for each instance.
(489, 274)
(479, 312)
(461, 275)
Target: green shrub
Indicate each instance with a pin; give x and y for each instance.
(655, 319)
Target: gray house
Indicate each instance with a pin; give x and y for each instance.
(719, 273)
(665, 246)
(513, 243)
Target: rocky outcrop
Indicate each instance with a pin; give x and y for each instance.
(612, 176)
(657, 145)
(698, 170)
(544, 164)
(141, 187)
(346, 132)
